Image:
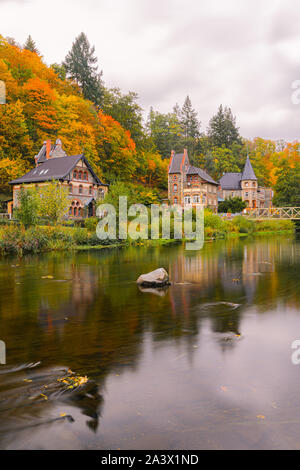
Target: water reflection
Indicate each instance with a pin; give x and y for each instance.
(84, 312)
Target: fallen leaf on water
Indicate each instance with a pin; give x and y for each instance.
(225, 389)
(260, 416)
(44, 396)
(63, 415)
(47, 277)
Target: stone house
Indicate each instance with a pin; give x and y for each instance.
(190, 185)
(73, 172)
(245, 186)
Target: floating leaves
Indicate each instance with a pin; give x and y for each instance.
(73, 382)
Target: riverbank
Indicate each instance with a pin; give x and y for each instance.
(15, 239)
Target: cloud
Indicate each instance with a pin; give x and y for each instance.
(241, 54)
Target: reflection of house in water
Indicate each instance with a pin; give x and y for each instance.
(81, 284)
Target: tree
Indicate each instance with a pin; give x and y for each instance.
(165, 132)
(30, 45)
(232, 205)
(224, 161)
(60, 70)
(117, 149)
(125, 109)
(27, 211)
(189, 120)
(80, 64)
(222, 129)
(54, 202)
(287, 187)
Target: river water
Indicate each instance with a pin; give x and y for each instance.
(203, 364)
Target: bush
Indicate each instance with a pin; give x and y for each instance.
(91, 224)
(243, 225)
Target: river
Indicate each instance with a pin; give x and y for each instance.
(203, 364)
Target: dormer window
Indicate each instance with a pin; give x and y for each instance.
(85, 175)
(75, 174)
(80, 175)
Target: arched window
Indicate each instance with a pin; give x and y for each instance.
(79, 212)
(175, 200)
(85, 175)
(75, 211)
(80, 175)
(80, 189)
(175, 188)
(254, 184)
(90, 190)
(75, 174)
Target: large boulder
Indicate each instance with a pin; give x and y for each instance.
(157, 278)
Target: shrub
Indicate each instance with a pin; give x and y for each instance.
(91, 224)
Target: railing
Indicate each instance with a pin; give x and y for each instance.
(291, 213)
(5, 215)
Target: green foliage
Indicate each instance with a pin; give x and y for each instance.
(30, 45)
(80, 64)
(53, 202)
(91, 224)
(125, 109)
(242, 224)
(27, 212)
(222, 129)
(287, 188)
(232, 205)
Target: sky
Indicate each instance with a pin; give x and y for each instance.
(244, 54)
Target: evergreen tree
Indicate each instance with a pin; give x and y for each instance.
(222, 129)
(189, 120)
(81, 66)
(30, 45)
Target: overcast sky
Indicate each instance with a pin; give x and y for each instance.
(242, 53)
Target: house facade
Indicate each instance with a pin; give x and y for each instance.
(73, 172)
(190, 185)
(245, 186)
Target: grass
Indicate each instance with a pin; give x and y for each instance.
(15, 239)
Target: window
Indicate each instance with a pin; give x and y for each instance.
(175, 188)
(187, 199)
(175, 177)
(70, 211)
(75, 211)
(246, 184)
(80, 175)
(175, 200)
(85, 176)
(70, 189)
(247, 194)
(196, 199)
(254, 184)
(80, 189)
(75, 174)
(90, 190)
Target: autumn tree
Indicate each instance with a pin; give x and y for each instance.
(287, 187)
(81, 66)
(125, 109)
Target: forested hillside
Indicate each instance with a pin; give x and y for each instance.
(70, 101)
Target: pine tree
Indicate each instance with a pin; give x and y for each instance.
(30, 45)
(81, 66)
(222, 129)
(189, 120)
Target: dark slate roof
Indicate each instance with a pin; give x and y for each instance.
(176, 163)
(54, 169)
(193, 170)
(248, 173)
(231, 181)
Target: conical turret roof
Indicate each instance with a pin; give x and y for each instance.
(248, 173)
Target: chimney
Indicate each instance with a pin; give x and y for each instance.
(48, 148)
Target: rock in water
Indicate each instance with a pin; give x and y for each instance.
(156, 278)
